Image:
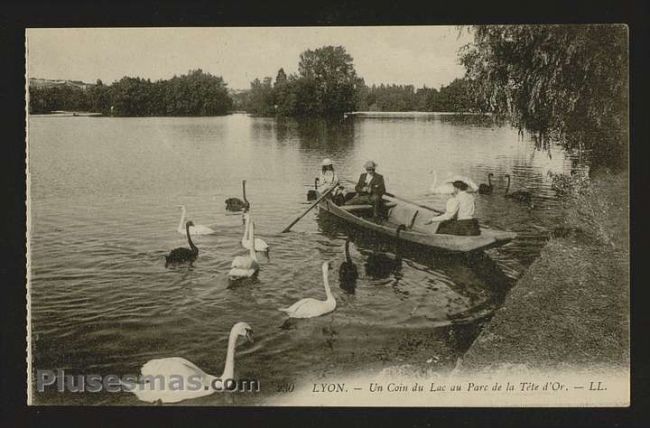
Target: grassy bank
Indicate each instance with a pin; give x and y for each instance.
(571, 308)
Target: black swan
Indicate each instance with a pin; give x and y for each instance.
(486, 189)
(236, 204)
(312, 195)
(183, 255)
(348, 270)
(519, 195)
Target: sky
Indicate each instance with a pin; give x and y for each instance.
(418, 55)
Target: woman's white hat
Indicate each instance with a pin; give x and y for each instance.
(326, 162)
(470, 183)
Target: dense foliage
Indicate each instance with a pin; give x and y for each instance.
(194, 94)
(564, 81)
(454, 97)
(327, 85)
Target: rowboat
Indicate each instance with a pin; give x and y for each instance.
(413, 216)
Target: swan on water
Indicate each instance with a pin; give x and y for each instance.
(348, 270)
(312, 194)
(260, 245)
(197, 229)
(444, 188)
(181, 254)
(245, 266)
(236, 204)
(486, 189)
(182, 379)
(309, 307)
(519, 195)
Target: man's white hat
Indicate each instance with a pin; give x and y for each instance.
(370, 164)
(326, 162)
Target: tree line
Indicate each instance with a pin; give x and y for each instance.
(450, 98)
(327, 84)
(194, 94)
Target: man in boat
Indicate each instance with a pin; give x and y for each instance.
(458, 219)
(370, 188)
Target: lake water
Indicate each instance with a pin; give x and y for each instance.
(104, 195)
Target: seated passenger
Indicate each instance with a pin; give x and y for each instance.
(328, 178)
(459, 216)
(370, 188)
(327, 175)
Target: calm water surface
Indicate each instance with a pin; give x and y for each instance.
(104, 196)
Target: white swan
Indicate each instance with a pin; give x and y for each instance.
(260, 245)
(310, 308)
(176, 379)
(444, 188)
(245, 266)
(197, 229)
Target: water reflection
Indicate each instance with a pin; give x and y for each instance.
(475, 120)
(264, 129)
(325, 135)
(471, 119)
(382, 265)
(310, 133)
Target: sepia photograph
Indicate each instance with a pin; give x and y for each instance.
(403, 216)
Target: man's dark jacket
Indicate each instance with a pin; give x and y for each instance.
(376, 184)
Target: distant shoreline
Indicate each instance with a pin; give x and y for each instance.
(369, 114)
(412, 113)
(62, 113)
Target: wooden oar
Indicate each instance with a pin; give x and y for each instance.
(390, 195)
(327, 192)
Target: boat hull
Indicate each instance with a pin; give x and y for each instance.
(418, 233)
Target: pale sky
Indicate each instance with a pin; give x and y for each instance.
(418, 55)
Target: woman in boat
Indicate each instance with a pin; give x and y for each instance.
(328, 178)
(458, 219)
